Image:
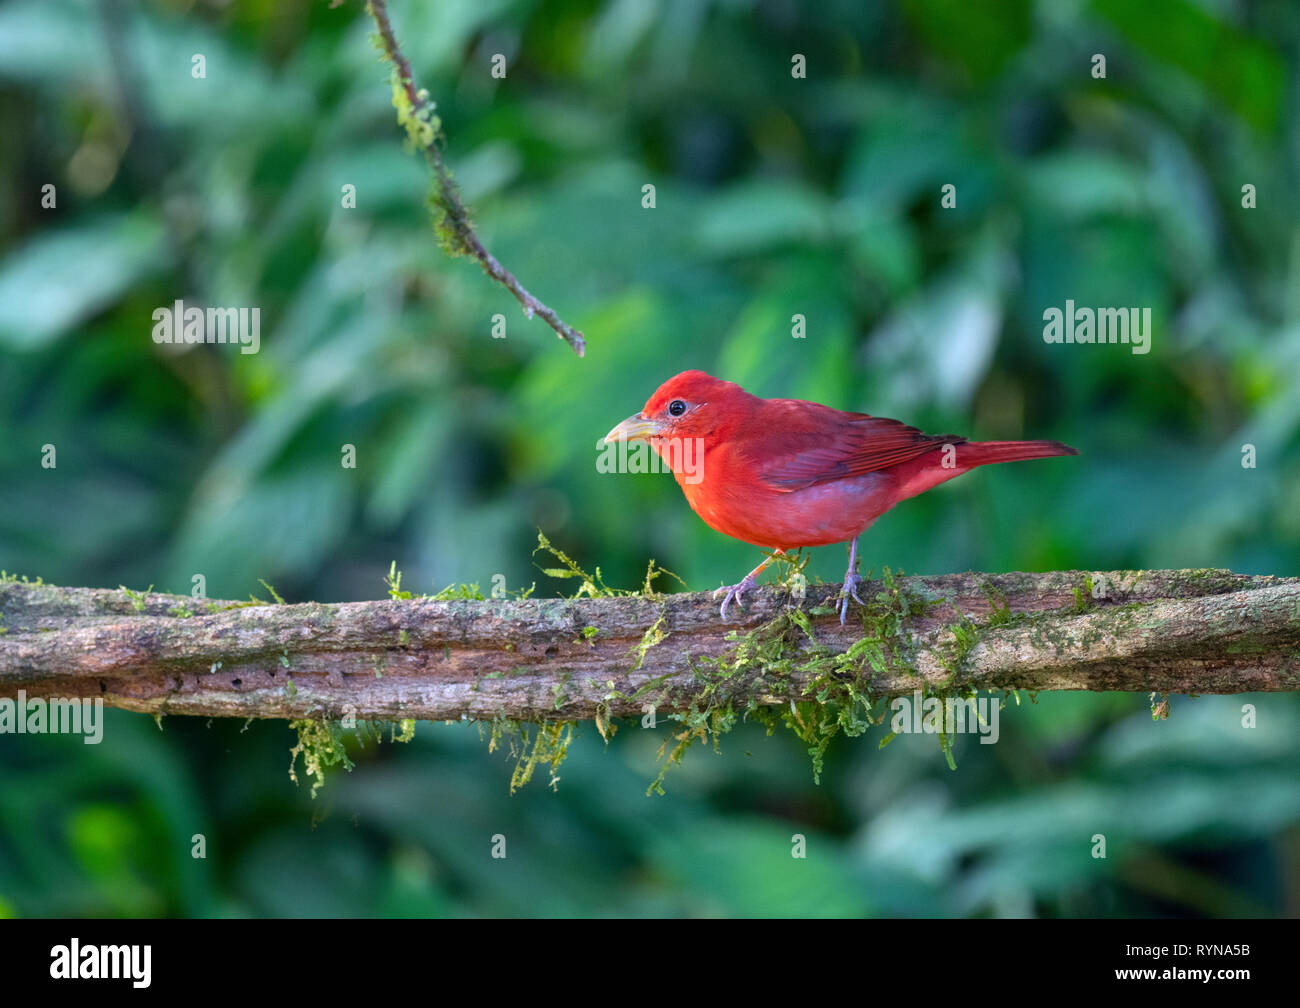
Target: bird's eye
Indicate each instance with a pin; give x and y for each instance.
(676, 408)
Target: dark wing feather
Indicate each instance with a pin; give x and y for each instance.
(805, 443)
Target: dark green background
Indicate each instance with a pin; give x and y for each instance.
(775, 196)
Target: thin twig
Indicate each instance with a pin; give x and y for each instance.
(455, 230)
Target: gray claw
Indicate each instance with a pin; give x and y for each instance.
(736, 591)
(851, 582)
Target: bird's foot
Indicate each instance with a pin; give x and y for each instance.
(852, 580)
(735, 593)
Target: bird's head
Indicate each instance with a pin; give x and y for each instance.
(688, 405)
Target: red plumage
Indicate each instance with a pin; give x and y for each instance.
(786, 473)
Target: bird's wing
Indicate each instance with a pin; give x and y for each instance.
(798, 444)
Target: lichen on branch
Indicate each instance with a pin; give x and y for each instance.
(609, 655)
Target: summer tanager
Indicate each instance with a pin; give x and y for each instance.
(785, 473)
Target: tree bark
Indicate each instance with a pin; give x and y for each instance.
(1203, 631)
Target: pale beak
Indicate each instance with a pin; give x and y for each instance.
(634, 428)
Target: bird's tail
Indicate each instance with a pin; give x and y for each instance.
(977, 453)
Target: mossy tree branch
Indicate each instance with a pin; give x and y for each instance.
(415, 111)
(564, 659)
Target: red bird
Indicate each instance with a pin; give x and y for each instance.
(785, 473)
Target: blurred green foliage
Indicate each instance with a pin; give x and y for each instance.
(775, 196)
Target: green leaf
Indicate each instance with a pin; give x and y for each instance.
(62, 277)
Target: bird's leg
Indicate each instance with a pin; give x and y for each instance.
(851, 581)
(737, 591)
